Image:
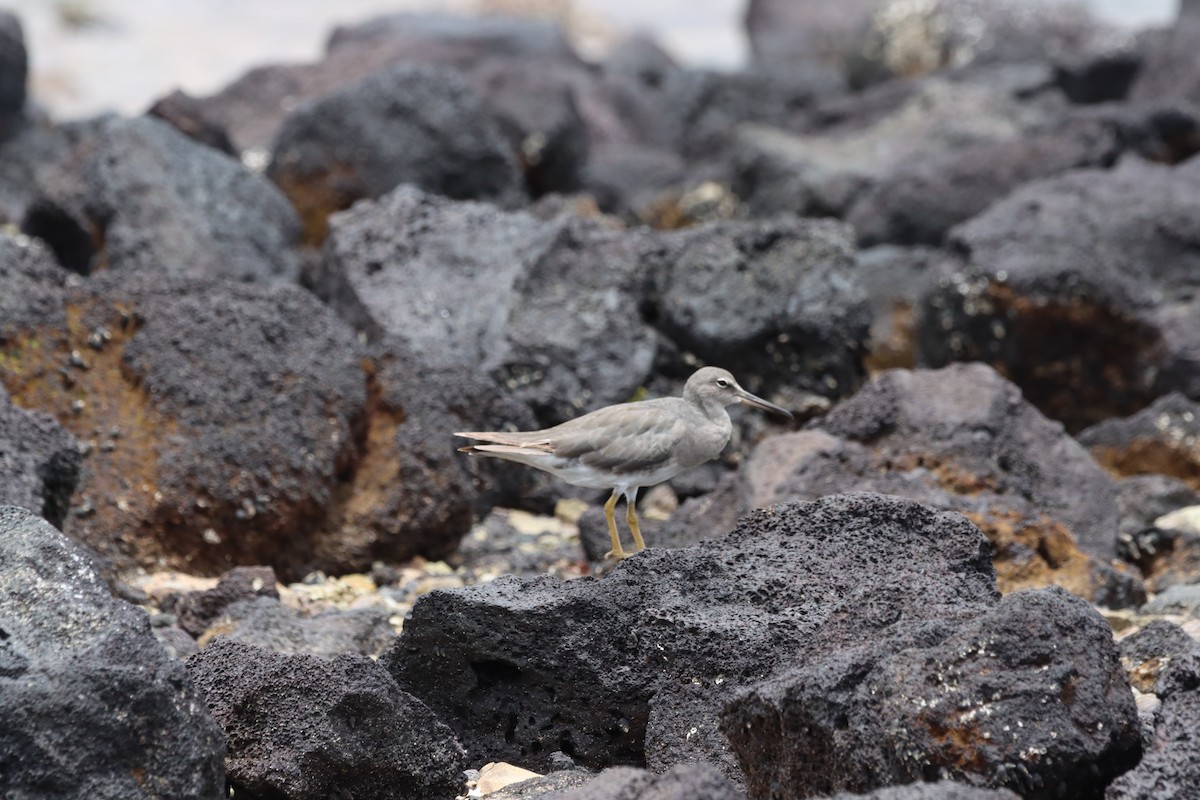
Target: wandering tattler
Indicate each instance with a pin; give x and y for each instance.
(630, 445)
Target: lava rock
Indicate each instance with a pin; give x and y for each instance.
(39, 462)
(34, 287)
(1167, 554)
(1148, 651)
(942, 790)
(1170, 69)
(196, 610)
(137, 195)
(919, 201)
(1028, 696)
(92, 705)
(556, 310)
(1161, 439)
(680, 782)
(634, 668)
(779, 299)
(305, 727)
(265, 622)
(404, 124)
(220, 417)
(187, 114)
(823, 172)
(962, 439)
(14, 70)
(791, 35)
(1085, 300)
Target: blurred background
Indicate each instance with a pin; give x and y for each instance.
(89, 56)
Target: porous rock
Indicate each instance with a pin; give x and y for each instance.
(196, 610)
(39, 462)
(680, 782)
(405, 124)
(556, 317)
(1083, 299)
(266, 622)
(304, 727)
(1161, 439)
(777, 298)
(941, 790)
(963, 439)
(92, 705)
(219, 416)
(138, 195)
(1151, 536)
(1028, 696)
(634, 668)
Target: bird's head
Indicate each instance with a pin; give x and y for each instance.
(716, 385)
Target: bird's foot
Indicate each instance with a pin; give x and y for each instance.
(617, 554)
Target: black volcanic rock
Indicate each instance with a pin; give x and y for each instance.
(303, 727)
(962, 439)
(1028, 696)
(196, 610)
(266, 622)
(187, 114)
(1162, 439)
(1085, 300)
(778, 299)
(92, 705)
(680, 782)
(138, 195)
(549, 309)
(634, 668)
(941, 790)
(14, 69)
(39, 462)
(405, 124)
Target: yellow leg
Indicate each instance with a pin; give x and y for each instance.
(609, 511)
(631, 518)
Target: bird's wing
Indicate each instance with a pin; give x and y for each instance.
(536, 441)
(628, 437)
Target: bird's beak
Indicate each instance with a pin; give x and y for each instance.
(758, 402)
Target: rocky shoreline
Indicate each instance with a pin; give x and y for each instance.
(239, 555)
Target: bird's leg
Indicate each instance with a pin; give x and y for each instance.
(631, 518)
(609, 510)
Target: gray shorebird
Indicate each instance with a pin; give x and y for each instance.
(630, 445)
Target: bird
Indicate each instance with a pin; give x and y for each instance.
(627, 446)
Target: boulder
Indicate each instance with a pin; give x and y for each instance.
(941, 790)
(558, 321)
(404, 124)
(265, 622)
(304, 727)
(680, 782)
(219, 418)
(92, 705)
(197, 610)
(1161, 439)
(962, 439)
(1080, 297)
(1028, 696)
(634, 668)
(137, 195)
(39, 462)
(187, 114)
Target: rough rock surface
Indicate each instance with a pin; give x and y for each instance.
(266, 622)
(39, 462)
(1027, 696)
(561, 327)
(218, 417)
(942, 790)
(1161, 439)
(404, 124)
(304, 727)
(776, 298)
(962, 438)
(680, 782)
(619, 670)
(1153, 536)
(197, 610)
(1083, 299)
(92, 705)
(136, 194)
(1170, 70)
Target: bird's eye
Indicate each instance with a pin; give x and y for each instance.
(724, 384)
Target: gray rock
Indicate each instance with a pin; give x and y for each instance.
(1085, 300)
(138, 195)
(1170, 70)
(187, 114)
(304, 727)
(558, 319)
(634, 668)
(33, 286)
(941, 790)
(1166, 556)
(265, 622)
(545, 787)
(405, 124)
(39, 462)
(92, 705)
(196, 610)
(1028, 695)
(779, 299)
(680, 782)
(1171, 765)
(1177, 599)
(14, 69)
(1161, 439)
(809, 34)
